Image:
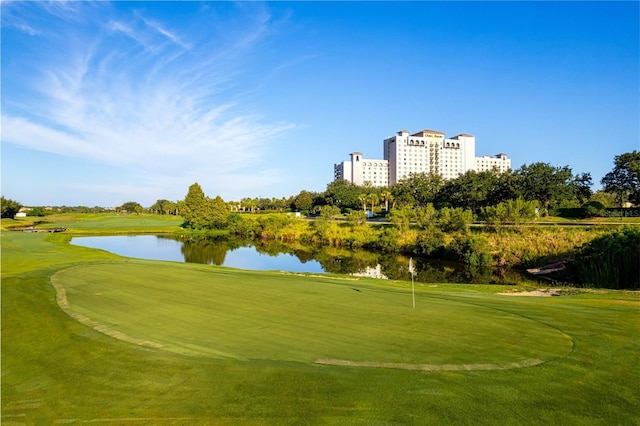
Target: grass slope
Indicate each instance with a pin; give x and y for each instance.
(57, 370)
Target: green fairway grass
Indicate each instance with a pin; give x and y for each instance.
(103, 223)
(254, 315)
(142, 342)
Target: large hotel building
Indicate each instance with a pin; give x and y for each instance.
(427, 151)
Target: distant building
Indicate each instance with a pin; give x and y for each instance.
(427, 151)
(498, 162)
(360, 171)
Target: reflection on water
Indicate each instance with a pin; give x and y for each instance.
(370, 272)
(274, 256)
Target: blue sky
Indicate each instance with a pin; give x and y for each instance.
(104, 103)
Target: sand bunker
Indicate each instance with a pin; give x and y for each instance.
(536, 293)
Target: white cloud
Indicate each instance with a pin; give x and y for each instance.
(171, 36)
(27, 29)
(171, 108)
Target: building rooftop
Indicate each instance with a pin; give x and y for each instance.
(465, 135)
(427, 131)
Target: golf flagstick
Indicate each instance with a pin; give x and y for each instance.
(413, 290)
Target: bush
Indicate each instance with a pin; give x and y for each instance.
(237, 225)
(593, 209)
(430, 242)
(610, 261)
(37, 212)
(510, 211)
(357, 218)
(470, 249)
(454, 220)
(388, 240)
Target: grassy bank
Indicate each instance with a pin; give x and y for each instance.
(524, 246)
(220, 346)
(101, 223)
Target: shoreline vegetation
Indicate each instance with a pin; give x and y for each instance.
(452, 238)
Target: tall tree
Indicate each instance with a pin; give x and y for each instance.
(9, 207)
(582, 187)
(545, 183)
(343, 194)
(363, 198)
(303, 202)
(248, 204)
(470, 190)
(417, 190)
(373, 199)
(163, 207)
(387, 197)
(624, 179)
(132, 207)
(193, 209)
(507, 187)
(216, 213)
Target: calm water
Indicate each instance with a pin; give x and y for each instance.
(272, 256)
(216, 253)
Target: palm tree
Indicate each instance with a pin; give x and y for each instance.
(248, 204)
(386, 196)
(373, 199)
(363, 199)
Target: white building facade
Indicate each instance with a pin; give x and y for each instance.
(361, 171)
(427, 151)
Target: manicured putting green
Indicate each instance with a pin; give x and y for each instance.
(220, 312)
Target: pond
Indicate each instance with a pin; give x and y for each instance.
(212, 252)
(273, 256)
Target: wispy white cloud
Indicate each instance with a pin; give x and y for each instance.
(27, 29)
(295, 61)
(153, 102)
(171, 36)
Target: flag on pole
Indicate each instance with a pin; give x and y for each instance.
(413, 289)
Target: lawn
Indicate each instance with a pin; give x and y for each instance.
(255, 315)
(142, 342)
(102, 223)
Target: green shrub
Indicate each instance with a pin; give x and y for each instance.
(593, 209)
(36, 212)
(430, 242)
(388, 240)
(454, 220)
(237, 225)
(610, 261)
(510, 211)
(470, 249)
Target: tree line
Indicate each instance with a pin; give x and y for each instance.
(552, 187)
(431, 217)
(487, 194)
